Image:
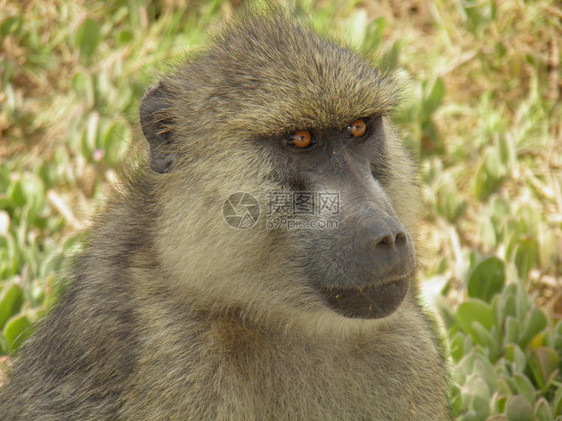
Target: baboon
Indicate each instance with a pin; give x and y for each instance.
(170, 313)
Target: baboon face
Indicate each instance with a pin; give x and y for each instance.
(315, 115)
(361, 266)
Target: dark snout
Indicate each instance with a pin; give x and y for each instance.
(385, 247)
(370, 265)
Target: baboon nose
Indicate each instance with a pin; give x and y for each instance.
(385, 232)
(388, 247)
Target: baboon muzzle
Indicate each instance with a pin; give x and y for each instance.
(380, 271)
(367, 269)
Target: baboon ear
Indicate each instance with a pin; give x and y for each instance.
(156, 126)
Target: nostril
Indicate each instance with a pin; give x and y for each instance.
(400, 238)
(389, 240)
(384, 234)
(383, 240)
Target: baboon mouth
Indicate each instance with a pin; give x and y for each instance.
(370, 302)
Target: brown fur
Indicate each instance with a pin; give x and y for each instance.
(171, 314)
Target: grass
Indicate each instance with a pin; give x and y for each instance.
(482, 115)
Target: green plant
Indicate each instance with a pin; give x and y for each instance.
(506, 351)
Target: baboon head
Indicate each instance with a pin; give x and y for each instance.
(271, 107)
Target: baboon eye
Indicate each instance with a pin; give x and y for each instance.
(358, 128)
(300, 139)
